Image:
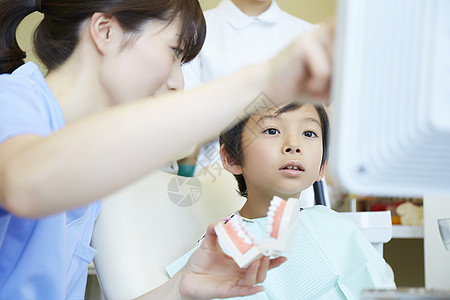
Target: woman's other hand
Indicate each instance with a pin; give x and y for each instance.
(303, 70)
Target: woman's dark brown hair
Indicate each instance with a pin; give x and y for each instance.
(59, 32)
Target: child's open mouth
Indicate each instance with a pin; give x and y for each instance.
(292, 168)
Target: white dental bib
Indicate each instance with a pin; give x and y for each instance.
(331, 260)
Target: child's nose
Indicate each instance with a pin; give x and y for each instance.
(291, 149)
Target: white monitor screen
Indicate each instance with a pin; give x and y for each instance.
(391, 97)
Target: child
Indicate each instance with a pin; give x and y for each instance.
(282, 151)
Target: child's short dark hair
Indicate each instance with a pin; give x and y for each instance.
(232, 139)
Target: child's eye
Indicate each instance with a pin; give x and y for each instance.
(310, 134)
(271, 131)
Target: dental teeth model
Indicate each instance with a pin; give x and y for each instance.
(238, 241)
(240, 244)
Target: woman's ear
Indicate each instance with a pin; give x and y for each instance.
(105, 32)
(229, 163)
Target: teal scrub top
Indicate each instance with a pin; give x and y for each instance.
(45, 258)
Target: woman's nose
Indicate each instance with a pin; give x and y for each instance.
(176, 80)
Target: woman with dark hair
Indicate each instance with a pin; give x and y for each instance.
(98, 121)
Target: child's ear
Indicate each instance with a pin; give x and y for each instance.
(229, 163)
(105, 32)
(322, 171)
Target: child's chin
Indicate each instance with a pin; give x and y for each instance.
(286, 194)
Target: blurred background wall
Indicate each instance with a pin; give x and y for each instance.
(314, 11)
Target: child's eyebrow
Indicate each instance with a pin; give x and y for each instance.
(309, 119)
(270, 117)
(265, 117)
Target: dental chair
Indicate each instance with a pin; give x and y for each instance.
(147, 225)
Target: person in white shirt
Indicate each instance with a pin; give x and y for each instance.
(241, 33)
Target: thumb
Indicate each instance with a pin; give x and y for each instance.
(210, 239)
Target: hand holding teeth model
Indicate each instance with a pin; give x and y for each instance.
(241, 245)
